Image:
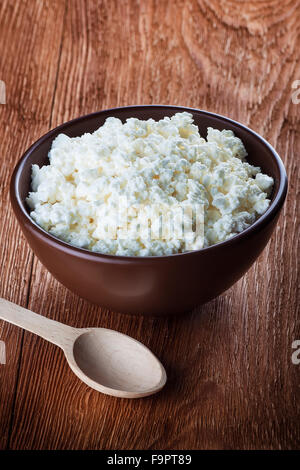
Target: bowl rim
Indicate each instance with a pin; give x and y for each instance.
(261, 222)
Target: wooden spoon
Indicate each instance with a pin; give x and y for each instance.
(106, 360)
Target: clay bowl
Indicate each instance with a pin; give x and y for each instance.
(151, 285)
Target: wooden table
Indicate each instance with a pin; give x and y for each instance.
(232, 383)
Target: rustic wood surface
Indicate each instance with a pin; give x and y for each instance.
(232, 384)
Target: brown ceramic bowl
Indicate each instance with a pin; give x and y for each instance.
(150, 285)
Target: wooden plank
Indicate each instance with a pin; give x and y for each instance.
(231, 380)
(28, 70)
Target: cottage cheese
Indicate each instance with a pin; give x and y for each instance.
(147, 162)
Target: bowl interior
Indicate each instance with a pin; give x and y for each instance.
(260, 153)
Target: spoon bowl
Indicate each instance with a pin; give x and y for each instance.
(106, 360)
(115, 364)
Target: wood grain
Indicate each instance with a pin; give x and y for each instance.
(28, 66)
(231, 384)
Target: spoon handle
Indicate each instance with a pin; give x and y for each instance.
(51, 330)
